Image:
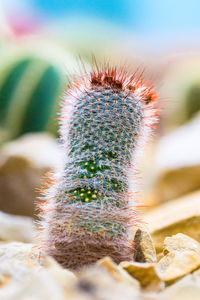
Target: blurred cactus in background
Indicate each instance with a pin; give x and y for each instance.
(182, 87)
(29, 88)
(192, 100)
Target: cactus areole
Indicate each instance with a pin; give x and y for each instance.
(89, 208)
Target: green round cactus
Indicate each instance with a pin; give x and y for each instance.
(29, 88)
(192, 100)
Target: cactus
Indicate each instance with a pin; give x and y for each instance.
(29, 88)
(88, 209)
(192, 101)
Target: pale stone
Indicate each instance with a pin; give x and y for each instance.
(98, 283)
(37, 148)
(23, 163)
(35, 286)
(180, 242)
(197, 273)
(117, 272)
(187, 288)
(179, 216)
(159, 256)
(145, 273)
(177, 264)
(16, 228)
(17, 260)
(23, 277)
(182, 257)
(62, 276)
(178, 161)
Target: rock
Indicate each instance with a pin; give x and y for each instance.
(159, 256)
(180, 242)
(58, 273)
(145, 273)
(18, 254)
(23, 163)
(177, 264)
(22, 277)
(16, 228)
(197, 273)
(37, 148)
(96, 283)
(178, 161)
(144, 247)
(182, 257)
(36, 286)
(117, 272)
(178, 216)
(187, 288)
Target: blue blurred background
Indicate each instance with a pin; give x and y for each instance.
(159, 24)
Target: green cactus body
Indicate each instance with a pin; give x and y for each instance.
(192, 101)
(28, 92)
(88, 211)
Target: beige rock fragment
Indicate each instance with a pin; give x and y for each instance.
(182, 257)
(23, 278)
(145, 273)
(196, 273)
(37, 148)
(177, 264)
(61, 275)
(178, 216)
(178, 182)
(18, 181)
(97, 283)
(117, 272)
(159, 256)
(16, 228)
(178, 161)
(187, 288)
(180, 242)
(23, 163)
(35, 286)
(144, 247)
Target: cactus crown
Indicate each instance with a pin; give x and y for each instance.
(88, 210)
